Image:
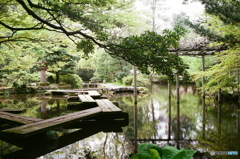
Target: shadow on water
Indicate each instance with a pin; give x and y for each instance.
(45, 143)
(200, 125)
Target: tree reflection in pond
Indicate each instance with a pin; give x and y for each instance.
(152, 125)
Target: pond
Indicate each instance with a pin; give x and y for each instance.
(203, 127)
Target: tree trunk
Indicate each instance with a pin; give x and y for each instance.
(57, 77)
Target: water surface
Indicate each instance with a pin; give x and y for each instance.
(149, 122)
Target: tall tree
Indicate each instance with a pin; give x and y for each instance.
(223, 28)
(88, 23)
(60, 62)
(111, 69)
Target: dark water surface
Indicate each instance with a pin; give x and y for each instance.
(213, 130)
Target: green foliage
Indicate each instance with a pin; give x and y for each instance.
(20, 81)
(88, 23)
(151, 50)
(152, 151)
(96, 79)
(159, 79)
(111, 69)
(74, 80)
(222, 27)
(142, 81)
(51, 135)
(87, 46)
(222, 75)
(19, 78)
(85, 74)
(23, 89)
(226, 10)
(60, 62)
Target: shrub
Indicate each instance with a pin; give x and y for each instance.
(85, 74)
(19, 78)
(162, 79)
(96, 79)
(142, 81)
(74, 80)
(23, 88)
(153, 151)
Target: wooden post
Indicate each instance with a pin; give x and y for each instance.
(135, 128)
(169, 110)
(178, 96)
(203, 118)
(178, 110)
(135, 84)
(203, 78)
(238, 87)
(219, 111)
(203, 99)
(238, 122)
(135, 109)
(153, 117)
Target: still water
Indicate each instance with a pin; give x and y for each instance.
(203, 127)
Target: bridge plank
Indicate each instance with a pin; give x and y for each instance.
(13, 118)
(86, 98)
(103, 106)
(13, 110)
(47, 124)
(107, 106)
(113, 107)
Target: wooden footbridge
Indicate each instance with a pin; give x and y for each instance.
(101, 112)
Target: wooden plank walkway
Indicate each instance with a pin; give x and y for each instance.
(13, 110)
(89, 108)
(17, 119)
(92, 93)
(86, 98)
(45, 125)
(107, 106)
(64, 91)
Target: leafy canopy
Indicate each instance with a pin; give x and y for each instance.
(223, 28)
(88, 24)
(151, 50)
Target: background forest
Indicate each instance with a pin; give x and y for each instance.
(102, 40)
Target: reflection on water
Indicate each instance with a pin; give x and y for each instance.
(199, 126)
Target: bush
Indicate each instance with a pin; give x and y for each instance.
(96, 79)
(74, 80)
(142, 81)
(19, 78)
(23, 88)
(85, 74)
(162, 79)
(153, 151)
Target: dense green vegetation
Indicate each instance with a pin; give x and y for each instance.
(222, 28)
(168, 152)
(62, 32)
(100, 41)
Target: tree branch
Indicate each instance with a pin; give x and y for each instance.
(30, 12)
(19, 29)
(31, 4)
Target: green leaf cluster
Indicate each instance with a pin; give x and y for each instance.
(152, 151)
(110, 69)
(223, 29)
(150, 50)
